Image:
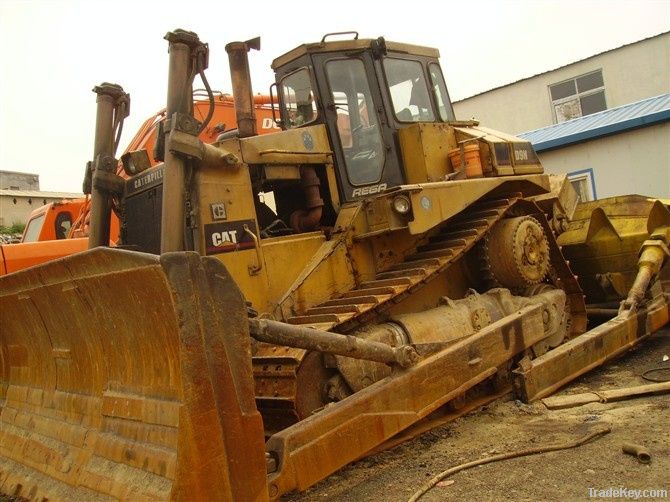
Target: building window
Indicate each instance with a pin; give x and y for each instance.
(578, 96)
(584, 184)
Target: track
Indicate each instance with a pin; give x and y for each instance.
(279, 388)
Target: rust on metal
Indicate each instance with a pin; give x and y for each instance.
(367, 419)
(279, 333)
(182, 45)
(548, 373)
(113, 105)
(84, 416)
(241, 82)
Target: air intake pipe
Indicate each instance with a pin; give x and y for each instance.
(241, 80)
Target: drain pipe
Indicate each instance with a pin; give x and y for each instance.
(241, 81)
(179, 97)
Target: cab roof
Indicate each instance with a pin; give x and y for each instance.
(348, 45)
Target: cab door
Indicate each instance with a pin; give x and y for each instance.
(366, 153)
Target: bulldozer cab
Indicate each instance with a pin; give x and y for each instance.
(364, 91)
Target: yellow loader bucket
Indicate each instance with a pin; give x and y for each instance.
(127, 376)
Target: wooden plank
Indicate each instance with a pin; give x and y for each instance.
(604, 396)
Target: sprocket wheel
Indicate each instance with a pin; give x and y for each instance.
(517, 252)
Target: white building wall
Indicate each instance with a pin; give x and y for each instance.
(15, 207)
(633, 162)
(631, 73)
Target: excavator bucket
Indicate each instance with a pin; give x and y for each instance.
(104, 395)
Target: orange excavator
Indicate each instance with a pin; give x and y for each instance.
(59, 229)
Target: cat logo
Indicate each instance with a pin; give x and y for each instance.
(218, 210)
(219, 238)
(229, 236)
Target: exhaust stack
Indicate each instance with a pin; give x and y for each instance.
(241, 81)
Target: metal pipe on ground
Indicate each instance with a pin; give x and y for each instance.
(640, 452)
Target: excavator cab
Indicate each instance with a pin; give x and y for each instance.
(364, 91)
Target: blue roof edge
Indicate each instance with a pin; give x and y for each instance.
(605, 130)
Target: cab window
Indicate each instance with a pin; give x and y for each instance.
(439, 88)
(408, 89)
(357, 124)
(33, 229)
(62, 224)
(298, 99)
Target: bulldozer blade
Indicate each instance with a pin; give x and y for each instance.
(127, 376)
(543, 376)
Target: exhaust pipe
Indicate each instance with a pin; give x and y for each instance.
(241, 81)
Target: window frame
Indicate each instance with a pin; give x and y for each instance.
(577, 96)
(449, 109)
(284, 111)
(588, 176)
(34, 228)
(427, 82)
(371, 110)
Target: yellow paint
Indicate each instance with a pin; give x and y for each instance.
(434, 203)
(424, 149)
(307, 145)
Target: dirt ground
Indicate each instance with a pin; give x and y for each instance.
(509, 425)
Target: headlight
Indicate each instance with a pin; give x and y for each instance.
(401, 204)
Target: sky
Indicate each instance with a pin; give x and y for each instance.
(53, 52)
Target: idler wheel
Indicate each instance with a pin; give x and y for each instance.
(517, 252)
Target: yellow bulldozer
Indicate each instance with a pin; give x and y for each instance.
(280, 305)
